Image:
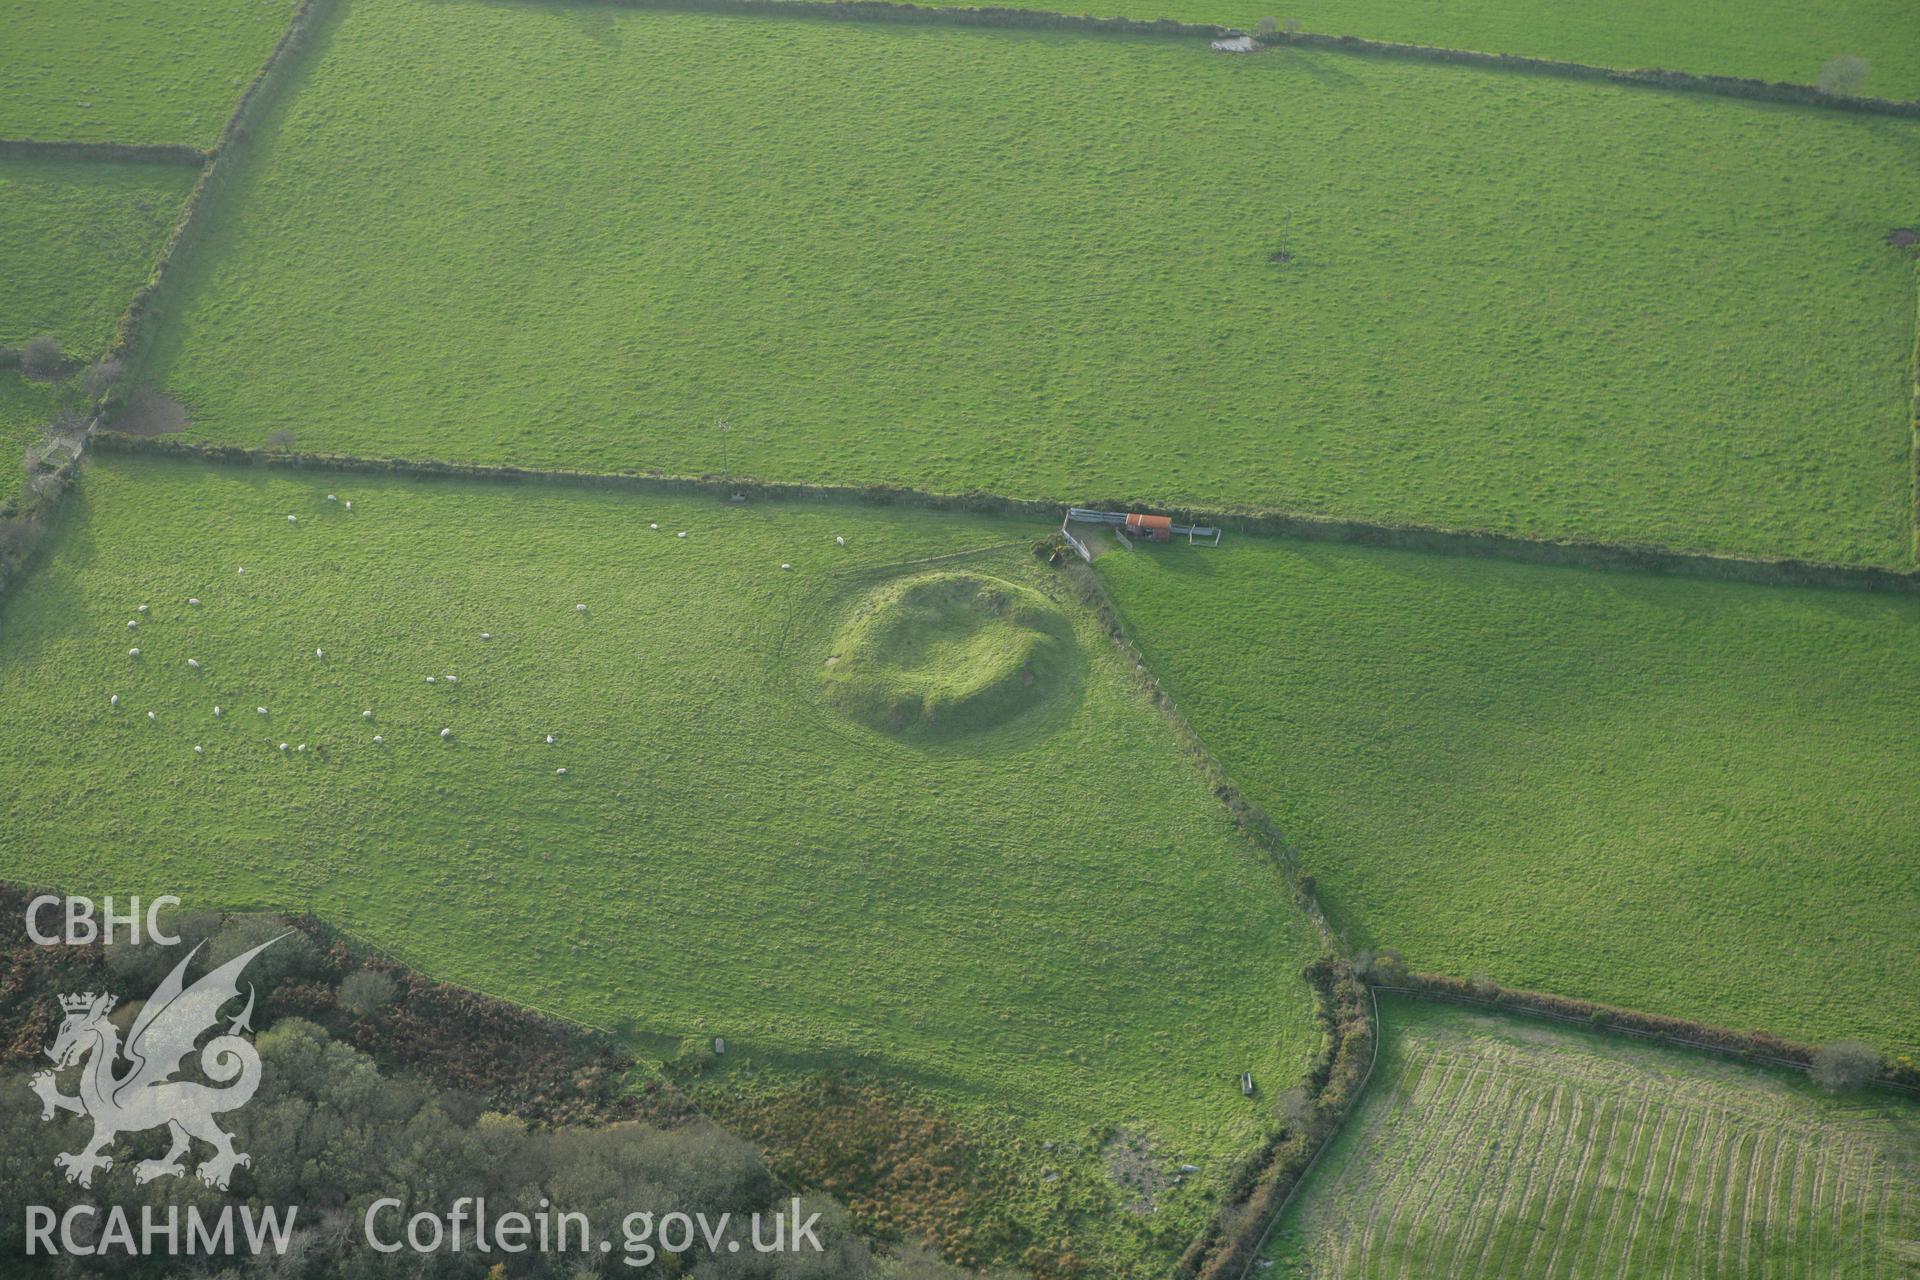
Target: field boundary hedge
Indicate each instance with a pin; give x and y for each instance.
(1611, 556)
(1783, 91)
(905, 11)
(1752, 1046)
(105, 152)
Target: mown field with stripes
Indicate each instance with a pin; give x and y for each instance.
(1494, 1147)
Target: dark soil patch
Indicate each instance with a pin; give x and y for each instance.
(1280, 256)
(1132, 1164)
(1904, 237)
(149, 413)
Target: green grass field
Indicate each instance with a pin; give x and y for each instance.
(78, 239)
(25, 410)
(130, 70)
(1050, 919)
(1690, 797)
(1508, 1149)
(1038, 264)
(1767, 40)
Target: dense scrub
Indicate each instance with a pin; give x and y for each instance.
(130, 70)
(1689, 797)
(1486, 1147)
(1054, 277)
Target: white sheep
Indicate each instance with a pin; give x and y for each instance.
(301, 747)
(681, 534)
(194, 601)
(142, 609)
(453, 679)
(319, 653)
(194, 663)
(377, 739)
(132, 623)
(367, 714)
(114, 701)
(242, 570)
(261, 710)
(446, 733)
(152, 716)
(839, 540)
(579, 608)
(133, 653)
(486, 635)
(283, 746)
(786, 566)
(293, 519)
(197, 751)
(331, 498)
(349, 504)
(549, 739)
(433, 679)
(216, 711)
(653, 526)
(561, 771)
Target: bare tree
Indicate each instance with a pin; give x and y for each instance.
(1845, 1064)
(41, 357)
(1843, 76)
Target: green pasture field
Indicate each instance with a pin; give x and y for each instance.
(130, 70)
(1489, 1147)
(26, 408)
(1038, 264)
(1050, 920)
(78, 238)
(1765, 40)
(1690, 797)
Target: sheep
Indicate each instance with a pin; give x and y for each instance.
(562, 772)
(653, 526)
(786, 566)
(839, 540)
(349, 504)
(243, 570)
(194, 663)
(367, 714)
(331, 498)
(319, 653)
(197, 751)
(377, 739)
(445, 734)
(132, 623)
(261, 710)
(681, 534)
(133, 653)
(114, 701)
(283, 746)
(194, 601)
(433, 679)
(216, 711)
(293, 519)
(142, 609)
(486, 635)
(579, 608)
(301, 747)
(549, 739)
(453, 679)
(152, 716)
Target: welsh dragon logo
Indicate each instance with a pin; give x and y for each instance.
(144, 1095)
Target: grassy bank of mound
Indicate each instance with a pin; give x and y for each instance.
(1497, 1148)
(130, 70)
(1054, 275)
(1690, 797)
(77, 239)
(1052, 924)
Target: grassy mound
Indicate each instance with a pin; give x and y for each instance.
(948, 653)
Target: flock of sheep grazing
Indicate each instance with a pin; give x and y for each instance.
(446, 734)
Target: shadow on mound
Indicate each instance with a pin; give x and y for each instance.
(942, 655)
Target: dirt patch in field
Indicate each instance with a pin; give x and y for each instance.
(1904, 237)
(149, 413)
(1132, 1164)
